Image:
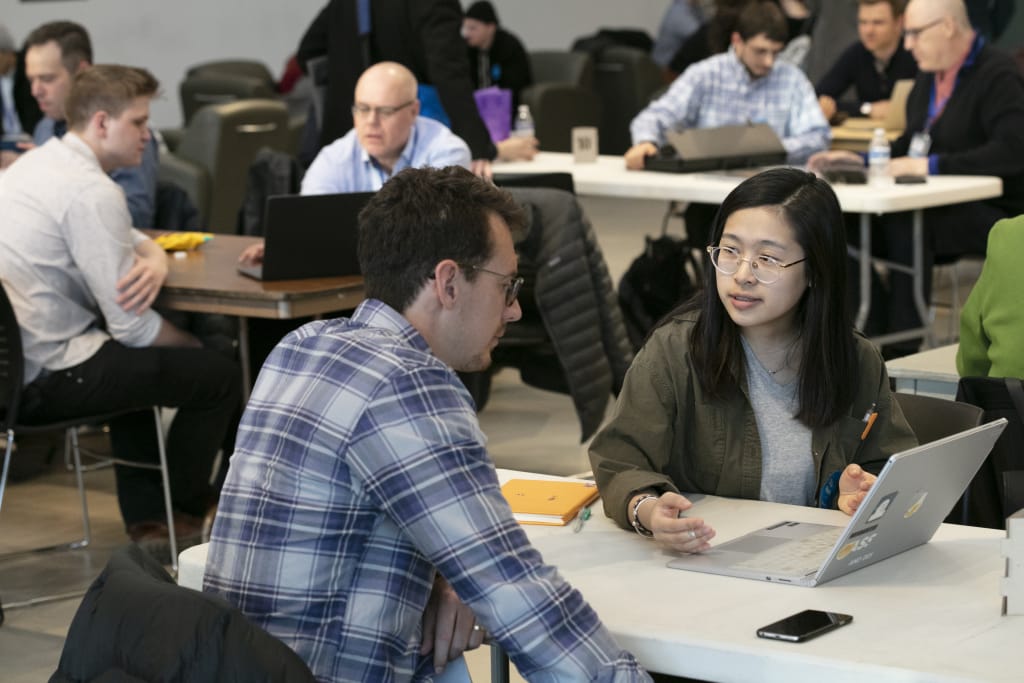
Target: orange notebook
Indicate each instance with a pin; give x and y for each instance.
(550, 502)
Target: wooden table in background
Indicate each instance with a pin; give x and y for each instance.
(206, 280)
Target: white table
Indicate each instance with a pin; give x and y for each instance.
(932, 613)
(929, 614)
(932, 372)
(608, 177)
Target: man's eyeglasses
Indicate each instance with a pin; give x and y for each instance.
(512, 287)
(766, 269)
(915, 33)
(364, 110)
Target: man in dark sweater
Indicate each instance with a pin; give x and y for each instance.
(496, 57)
(965, 116)
(871, 65)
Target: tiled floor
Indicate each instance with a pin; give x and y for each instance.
(527, 429)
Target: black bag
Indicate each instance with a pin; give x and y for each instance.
(658, 280)
(997, 490)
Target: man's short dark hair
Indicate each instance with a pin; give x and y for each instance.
(763, 16)
(421, 217)
(71, 38)
(898, 7)
(106, 87)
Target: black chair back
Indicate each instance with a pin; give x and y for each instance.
(997, 491)
(12, 365)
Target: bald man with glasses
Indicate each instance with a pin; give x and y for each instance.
(965, 116)
(388, 136)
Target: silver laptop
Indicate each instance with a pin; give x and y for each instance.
(707, 149)
(915, 491)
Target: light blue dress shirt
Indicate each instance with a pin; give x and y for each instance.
(344, 166)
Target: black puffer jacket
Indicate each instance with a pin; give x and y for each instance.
(135, 624)
(577, 302)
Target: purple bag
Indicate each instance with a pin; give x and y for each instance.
(495, 107)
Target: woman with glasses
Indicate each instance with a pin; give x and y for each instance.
(758, 387)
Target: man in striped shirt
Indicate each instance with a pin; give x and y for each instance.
(360, 500)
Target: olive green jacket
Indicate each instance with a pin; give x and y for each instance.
(666, 434)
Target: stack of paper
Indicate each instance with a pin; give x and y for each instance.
(543, 501)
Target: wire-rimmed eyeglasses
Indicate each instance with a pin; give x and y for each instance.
(766, 269)
(363, 110)
(512, 287)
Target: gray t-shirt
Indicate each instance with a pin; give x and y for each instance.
(787, 468)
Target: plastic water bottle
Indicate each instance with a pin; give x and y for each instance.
(878, 158)
(522, 127)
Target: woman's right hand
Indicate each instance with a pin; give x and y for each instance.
(664, 517)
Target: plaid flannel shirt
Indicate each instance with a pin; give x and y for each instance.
(718, 91)
(359, 469)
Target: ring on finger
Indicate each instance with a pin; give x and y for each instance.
(693, 534)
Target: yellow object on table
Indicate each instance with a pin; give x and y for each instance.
(182, 241)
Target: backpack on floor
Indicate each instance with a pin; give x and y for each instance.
(663, 276)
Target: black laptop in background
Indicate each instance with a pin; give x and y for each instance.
(710, 149)
(310, 236)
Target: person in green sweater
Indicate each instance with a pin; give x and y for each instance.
(992, 321)
(758, 387)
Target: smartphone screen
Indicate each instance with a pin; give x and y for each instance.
(804, 625)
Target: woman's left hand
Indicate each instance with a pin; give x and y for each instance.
(854, 484)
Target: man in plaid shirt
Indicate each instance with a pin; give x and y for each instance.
(361, 521)
(744, 85)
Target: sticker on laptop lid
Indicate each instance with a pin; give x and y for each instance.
(882, 507)
(916, 505)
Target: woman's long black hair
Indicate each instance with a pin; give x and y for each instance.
(828, 359)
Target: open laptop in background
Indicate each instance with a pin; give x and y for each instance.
(895, 118)
(310, 236)
(709, 149)
(915, 491)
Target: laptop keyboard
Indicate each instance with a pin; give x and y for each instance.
(796, 558)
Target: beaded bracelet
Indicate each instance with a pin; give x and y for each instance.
(634, 518)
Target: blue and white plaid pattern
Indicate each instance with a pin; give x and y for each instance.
(718, 91)
(359, 468)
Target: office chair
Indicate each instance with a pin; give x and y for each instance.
(245, 68)
(997, 491)
(624, 79)
(932, 419)
(12, 372)
(558, 66)
(203, 89)
(212, 160)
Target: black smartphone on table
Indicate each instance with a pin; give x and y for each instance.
(805, 625)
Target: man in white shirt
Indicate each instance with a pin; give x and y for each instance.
(82, 280)
(54, 53)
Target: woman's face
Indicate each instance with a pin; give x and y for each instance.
(760, 236)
